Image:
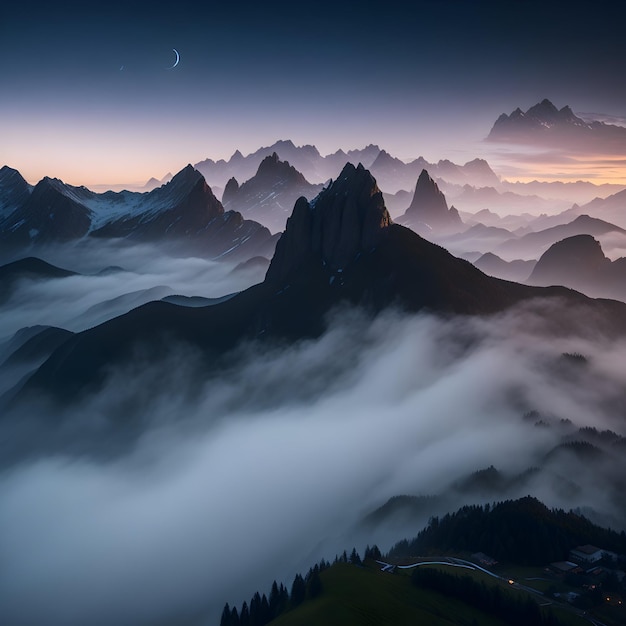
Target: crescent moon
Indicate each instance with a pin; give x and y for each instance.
(177, 59)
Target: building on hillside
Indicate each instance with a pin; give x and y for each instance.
(586, 554)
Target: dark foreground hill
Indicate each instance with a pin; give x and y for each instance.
(340, 248)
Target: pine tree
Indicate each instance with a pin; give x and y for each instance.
(315, 584)
(226, 616)
(244, 616)
(355, 559)
(298, 590)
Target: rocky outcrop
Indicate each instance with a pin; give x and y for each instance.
(347, 218)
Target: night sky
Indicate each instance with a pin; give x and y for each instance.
(86, 95)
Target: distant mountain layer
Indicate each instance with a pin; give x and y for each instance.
(544, 124)
(391, 173)
(534, 244)
(183, 211)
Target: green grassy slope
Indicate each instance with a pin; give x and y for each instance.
(365, 596)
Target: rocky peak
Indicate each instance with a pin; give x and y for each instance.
(428, 198)
(347, 218)
(428, 210)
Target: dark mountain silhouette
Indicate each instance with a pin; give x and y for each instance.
(30, 268)
(579, 262)
(428, 212)
(340, 248)
(268, 197)
(183, 211)
(544, 124)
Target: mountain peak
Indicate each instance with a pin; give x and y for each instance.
(345, 219)
(428, 210)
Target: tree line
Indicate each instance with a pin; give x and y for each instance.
(523, 531)
(262, 609)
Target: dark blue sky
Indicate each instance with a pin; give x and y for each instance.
(417, 78)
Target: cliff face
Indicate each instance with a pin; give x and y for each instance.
(347, 218)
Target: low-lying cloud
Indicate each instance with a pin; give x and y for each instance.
(274, 462)
(147, 273)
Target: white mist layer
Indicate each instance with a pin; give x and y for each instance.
(271, 467)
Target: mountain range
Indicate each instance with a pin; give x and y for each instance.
(183, 211)
(342, 247)
(391, 173)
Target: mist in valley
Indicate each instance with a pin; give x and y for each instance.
(169, 492)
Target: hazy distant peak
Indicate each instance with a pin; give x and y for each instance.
(545, 124)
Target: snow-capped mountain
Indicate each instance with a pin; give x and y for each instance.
(182, 211)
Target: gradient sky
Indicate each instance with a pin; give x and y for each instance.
(86, 96)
